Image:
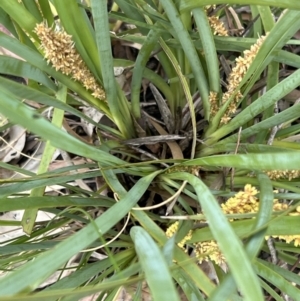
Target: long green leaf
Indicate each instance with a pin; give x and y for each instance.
(186, 91)
(189, 50)
(25, 185)
(130, 9)
(26, 92)
(266, 17)
(209, 48)
(268, 161)
(11, 204)
(6, 21)
(139, 68)
(33, 8)
(288, 275)
(270, 290)
(276, 279)
(15, 10)
(273, 68)
(152, 76)
(13, 66)
(285, 116)
(30, 215)
(286, 225)
(153, 263)
(246, 148)
(190, 4)
(287, 58)
(265, 210)
(118, 105)
(189, 288)
(46, 11)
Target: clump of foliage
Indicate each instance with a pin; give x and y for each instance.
(198, 125)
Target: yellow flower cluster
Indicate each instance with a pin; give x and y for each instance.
(243, 202)
(236, 76)
(217, 26)
(214, 105)
(183, 242)
(209, 250)
(289, 239)
(283, 174)
(59, 49)
(171, 231)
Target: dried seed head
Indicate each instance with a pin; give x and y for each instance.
(214, 103)
(172, 230)
(217, 26)
(209, 250)
(243, 202)
(289, 238)
(236, 76)
(59, 50)
(283, 174)
(183, 242)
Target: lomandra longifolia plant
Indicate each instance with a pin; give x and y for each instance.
(149, 147)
